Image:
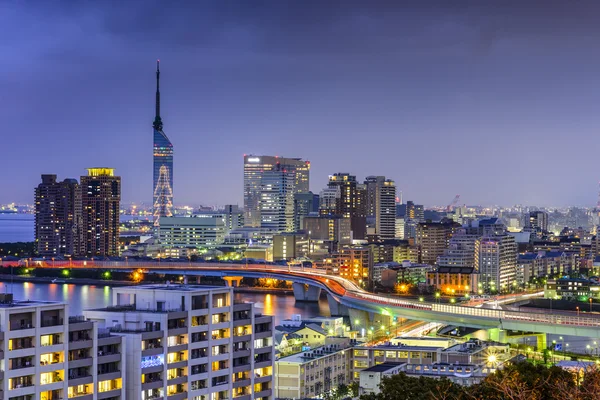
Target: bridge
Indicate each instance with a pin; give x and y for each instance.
(365, 308)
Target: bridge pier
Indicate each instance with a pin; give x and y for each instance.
(497, 335)
(360, 320)
(335, 308)
(303, 292)
(233, 281)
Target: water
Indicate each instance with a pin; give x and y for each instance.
(16, 228)
(82, 297)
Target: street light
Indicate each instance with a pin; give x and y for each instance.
(577, 311)
(591, 300)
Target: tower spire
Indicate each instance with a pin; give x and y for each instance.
(157, 121)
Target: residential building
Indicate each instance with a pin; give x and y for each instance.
(352, 202)
(461, 250)
(312, 373)
(194, 231)
(566, 288)
(100, 202)
(544, 264)
(400, 228)
(414, 211)
(162, 181)
(255, 167)
(433, 238)
(354, 263)
(57, 217)
(49, 355)
(381, 205)
(188, 341)
(537, 221)
(496, 261)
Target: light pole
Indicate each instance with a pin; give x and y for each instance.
(591, 300)
(437, 297)
(577, 310)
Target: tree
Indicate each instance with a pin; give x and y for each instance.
(403, 387)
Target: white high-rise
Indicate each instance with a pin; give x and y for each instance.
(190, 342)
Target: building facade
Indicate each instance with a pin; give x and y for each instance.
(352, 203)
(49, 355)
(277, 200)
(433, 238)
(57, 217)
(100, 202)
(196, 231)
(162, 180)
(254, 169)
(496, 261)
(188, 341)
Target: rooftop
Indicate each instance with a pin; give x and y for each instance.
(7, 301)
(174, 287)
(314, 354)
(382, 367)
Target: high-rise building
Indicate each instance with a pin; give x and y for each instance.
(496, 259)
(381, 205)
(50, 355)
(257, 166)
(538, 221)
(326, 233)
(329, 201)
(433, 239)
(352, 202)
(188, 341)
(100, 200)
(305, 204)
(460, 253)
(277, 200)
(57, 217)
(162, 182)
(414, 211)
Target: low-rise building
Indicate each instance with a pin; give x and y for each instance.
(452, 280)
(572, 289)
(312, 373)
(370, 378)
(196, 231)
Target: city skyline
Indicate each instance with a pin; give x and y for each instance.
(444, 87)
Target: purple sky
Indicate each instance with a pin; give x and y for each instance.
(495, 100)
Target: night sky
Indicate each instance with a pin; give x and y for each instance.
(495, 100)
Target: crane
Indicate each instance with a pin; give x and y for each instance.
(451, 206)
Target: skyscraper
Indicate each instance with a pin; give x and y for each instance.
(57, 217)
(255, 167)
(100, 200)
(163, 164)
(352, 202)
(277, 200)
(381, 205)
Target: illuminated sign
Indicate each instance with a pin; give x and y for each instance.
(254, 159)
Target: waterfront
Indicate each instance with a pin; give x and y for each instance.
(81, 297)
(16, 228)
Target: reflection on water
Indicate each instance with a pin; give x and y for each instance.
(81, 297)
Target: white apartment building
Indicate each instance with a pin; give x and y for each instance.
(190, 342)
(496, 259)
(47, 355)
(312, 373)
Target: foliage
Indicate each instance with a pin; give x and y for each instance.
(522, 381)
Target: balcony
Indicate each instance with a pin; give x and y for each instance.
(47, 323)
(21, 325)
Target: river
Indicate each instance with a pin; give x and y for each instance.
(82, 297)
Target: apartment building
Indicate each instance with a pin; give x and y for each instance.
(312, 373)
(49, 355)
(190, 342)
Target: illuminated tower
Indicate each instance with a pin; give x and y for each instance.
(163, 164)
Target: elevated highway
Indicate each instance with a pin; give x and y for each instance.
(347, 298)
